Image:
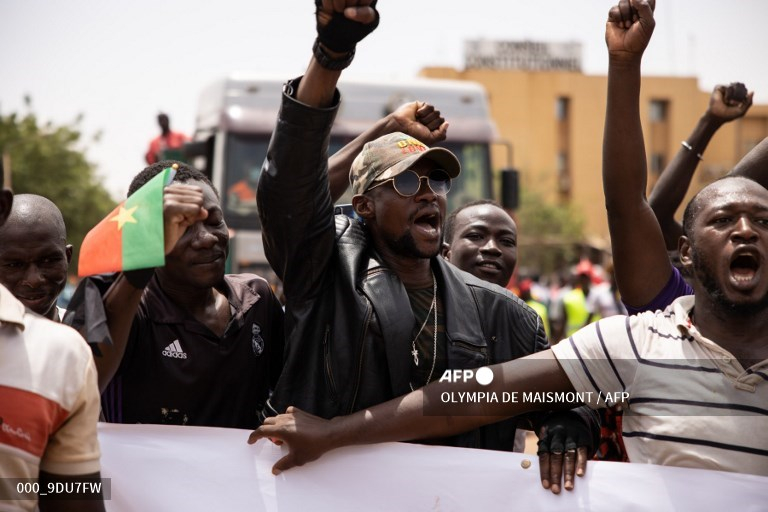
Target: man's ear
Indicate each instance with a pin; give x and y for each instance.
(68, 250)
(685, 250)
(363, 206)
(6, 202)
(445, 251)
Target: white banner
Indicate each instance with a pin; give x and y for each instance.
(165, 468)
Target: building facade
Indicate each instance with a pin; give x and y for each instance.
(551, 129)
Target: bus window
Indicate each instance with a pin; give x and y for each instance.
(244, 157)
(472, 183)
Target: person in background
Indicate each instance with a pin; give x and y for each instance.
(726, 104)
(167, 140)
(538, 307)
(481, 238)
(35, 255)
(577, 303)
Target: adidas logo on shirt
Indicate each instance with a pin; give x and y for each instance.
(174, 350)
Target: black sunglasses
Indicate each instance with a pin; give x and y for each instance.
(407, 183)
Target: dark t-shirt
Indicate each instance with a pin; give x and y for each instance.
(176, 371)
(432, 356)
(675, 287)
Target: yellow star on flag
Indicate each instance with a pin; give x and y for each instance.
(124, 216)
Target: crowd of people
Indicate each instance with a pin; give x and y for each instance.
(379, 304)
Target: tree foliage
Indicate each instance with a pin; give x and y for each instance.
(549, 235)
(47, 160)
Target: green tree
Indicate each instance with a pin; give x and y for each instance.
(549, 234)
(49, 161)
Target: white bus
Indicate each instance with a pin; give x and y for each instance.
(236, 116)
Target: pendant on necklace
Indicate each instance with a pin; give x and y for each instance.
(415, 354)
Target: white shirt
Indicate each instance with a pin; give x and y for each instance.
(691, 403)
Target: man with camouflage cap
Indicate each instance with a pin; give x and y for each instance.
(372, 311)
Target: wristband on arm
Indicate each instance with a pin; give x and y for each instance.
(329, 62)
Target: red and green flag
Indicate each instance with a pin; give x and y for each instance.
(131, 237)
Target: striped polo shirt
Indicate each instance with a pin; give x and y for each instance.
(690, 402)
(49, 399)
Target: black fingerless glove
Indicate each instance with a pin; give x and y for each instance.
(342, 34)
(565, 431)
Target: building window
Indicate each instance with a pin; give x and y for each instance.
(561, 108)
(658, 111)
(563, 174)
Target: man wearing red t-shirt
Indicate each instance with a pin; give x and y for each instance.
(165, 141)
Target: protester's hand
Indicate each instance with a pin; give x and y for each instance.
(565, 442)
(420, 120)
(182, 207)
(729, 102)
(307, 437)
(629, 28)
(341, 24)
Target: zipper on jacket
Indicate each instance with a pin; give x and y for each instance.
(327, 351)
(362, 352)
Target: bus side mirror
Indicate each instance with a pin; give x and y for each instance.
(510, 189)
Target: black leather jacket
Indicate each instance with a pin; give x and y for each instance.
(348, 318)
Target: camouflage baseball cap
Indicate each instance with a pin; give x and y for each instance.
(392, 154)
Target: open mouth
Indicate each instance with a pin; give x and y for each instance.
(429, 220)
(744, 267)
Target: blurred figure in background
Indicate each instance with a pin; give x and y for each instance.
(167, 140)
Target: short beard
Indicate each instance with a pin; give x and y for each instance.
(406, 246)
(701, 269)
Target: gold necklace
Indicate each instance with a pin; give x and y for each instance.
(414, 351)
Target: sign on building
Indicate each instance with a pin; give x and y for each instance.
(524, 55)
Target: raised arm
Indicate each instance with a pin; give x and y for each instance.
(417, 119)
(341, 24)
(754, 165)
(725, 104)
(294, 198)
(640, 258)
(182, 207)
(418, 415)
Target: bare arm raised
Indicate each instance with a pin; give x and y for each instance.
(726, 104)
(418, 119)
(754, 165)
(640, 258)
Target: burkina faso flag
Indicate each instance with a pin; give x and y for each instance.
(131, 237)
